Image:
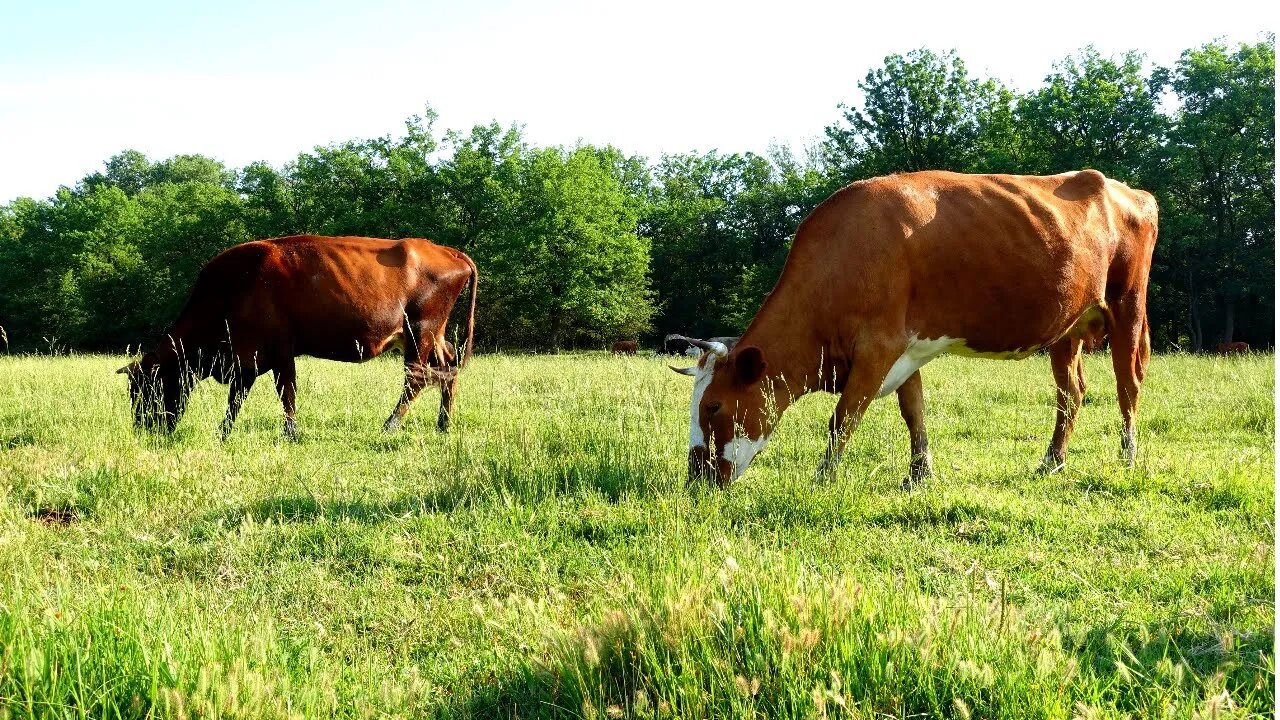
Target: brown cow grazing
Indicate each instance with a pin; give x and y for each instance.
(1233, 348)
(257, 306)
(891, 272)
(626, 347)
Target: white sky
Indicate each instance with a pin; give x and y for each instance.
(241, 83)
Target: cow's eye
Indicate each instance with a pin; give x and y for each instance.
(713, 407)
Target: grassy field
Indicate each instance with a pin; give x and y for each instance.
(545, 559)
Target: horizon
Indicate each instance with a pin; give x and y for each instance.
(83, 83)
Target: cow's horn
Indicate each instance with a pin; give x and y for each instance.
(717, 348)
(690, 371)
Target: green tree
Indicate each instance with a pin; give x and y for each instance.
(129, 170)
(921, 111)
(181, 169)
(572, 270)
(1092, 112)
(1220, 187)
(270, 204)
(720, 228)
(478, 182)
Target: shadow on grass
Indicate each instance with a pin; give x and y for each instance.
(1129, 668)
(60, 500)
(22, 438)
(497, 484)
(1136, 663)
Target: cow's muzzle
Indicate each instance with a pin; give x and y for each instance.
(706, 468)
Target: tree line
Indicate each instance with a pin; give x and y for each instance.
(578, 246)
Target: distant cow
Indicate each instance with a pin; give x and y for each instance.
(257, 306)
(626, 347)
(1233, 348)
(891, 272)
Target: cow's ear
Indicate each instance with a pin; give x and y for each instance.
(127, 369)
(749, 364)
(690, 371)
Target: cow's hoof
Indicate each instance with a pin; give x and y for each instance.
(825, 473)
(1051, 465)
(443, 424)
(392, 424)
(916, 480)
(290, 431)
(921, 471)
(1129, 450)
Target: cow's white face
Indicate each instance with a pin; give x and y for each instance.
(705, 370)
(728, 421)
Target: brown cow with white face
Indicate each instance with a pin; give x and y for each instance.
(257, 306)
(891, 272)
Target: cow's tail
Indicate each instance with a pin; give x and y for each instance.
(471, 313)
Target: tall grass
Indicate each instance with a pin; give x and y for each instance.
(545, 559)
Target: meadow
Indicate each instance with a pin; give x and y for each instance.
(545, 558)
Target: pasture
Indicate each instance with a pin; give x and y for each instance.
(545, 559)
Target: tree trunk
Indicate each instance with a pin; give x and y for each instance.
(1193, 315)
(1229, 323)
(554, 336)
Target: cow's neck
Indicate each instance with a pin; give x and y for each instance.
(795, 360)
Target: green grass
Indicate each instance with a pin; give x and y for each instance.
(545, 559)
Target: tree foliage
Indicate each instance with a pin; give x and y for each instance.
(1218, 188)
(579, 246)
(1092, 112)
(921, 111)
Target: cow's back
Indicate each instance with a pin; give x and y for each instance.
(1003, 261)
(329, 297)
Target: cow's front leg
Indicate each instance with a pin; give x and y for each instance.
(286, 375)
(869, 368)
(241, 383)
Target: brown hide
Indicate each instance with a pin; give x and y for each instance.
(892, 270)
(626, 347)
(1233, 348)
(257, 306)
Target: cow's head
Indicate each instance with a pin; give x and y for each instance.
(158, 391)
(730, 417)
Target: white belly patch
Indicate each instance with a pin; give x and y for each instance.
(920, 351)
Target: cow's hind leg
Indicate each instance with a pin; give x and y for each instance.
(286, 375)
(1064, 356)
(417, 372)
(911, 404)
(448, 389)
(415, 378)
(1130, 352)
(444, 364)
